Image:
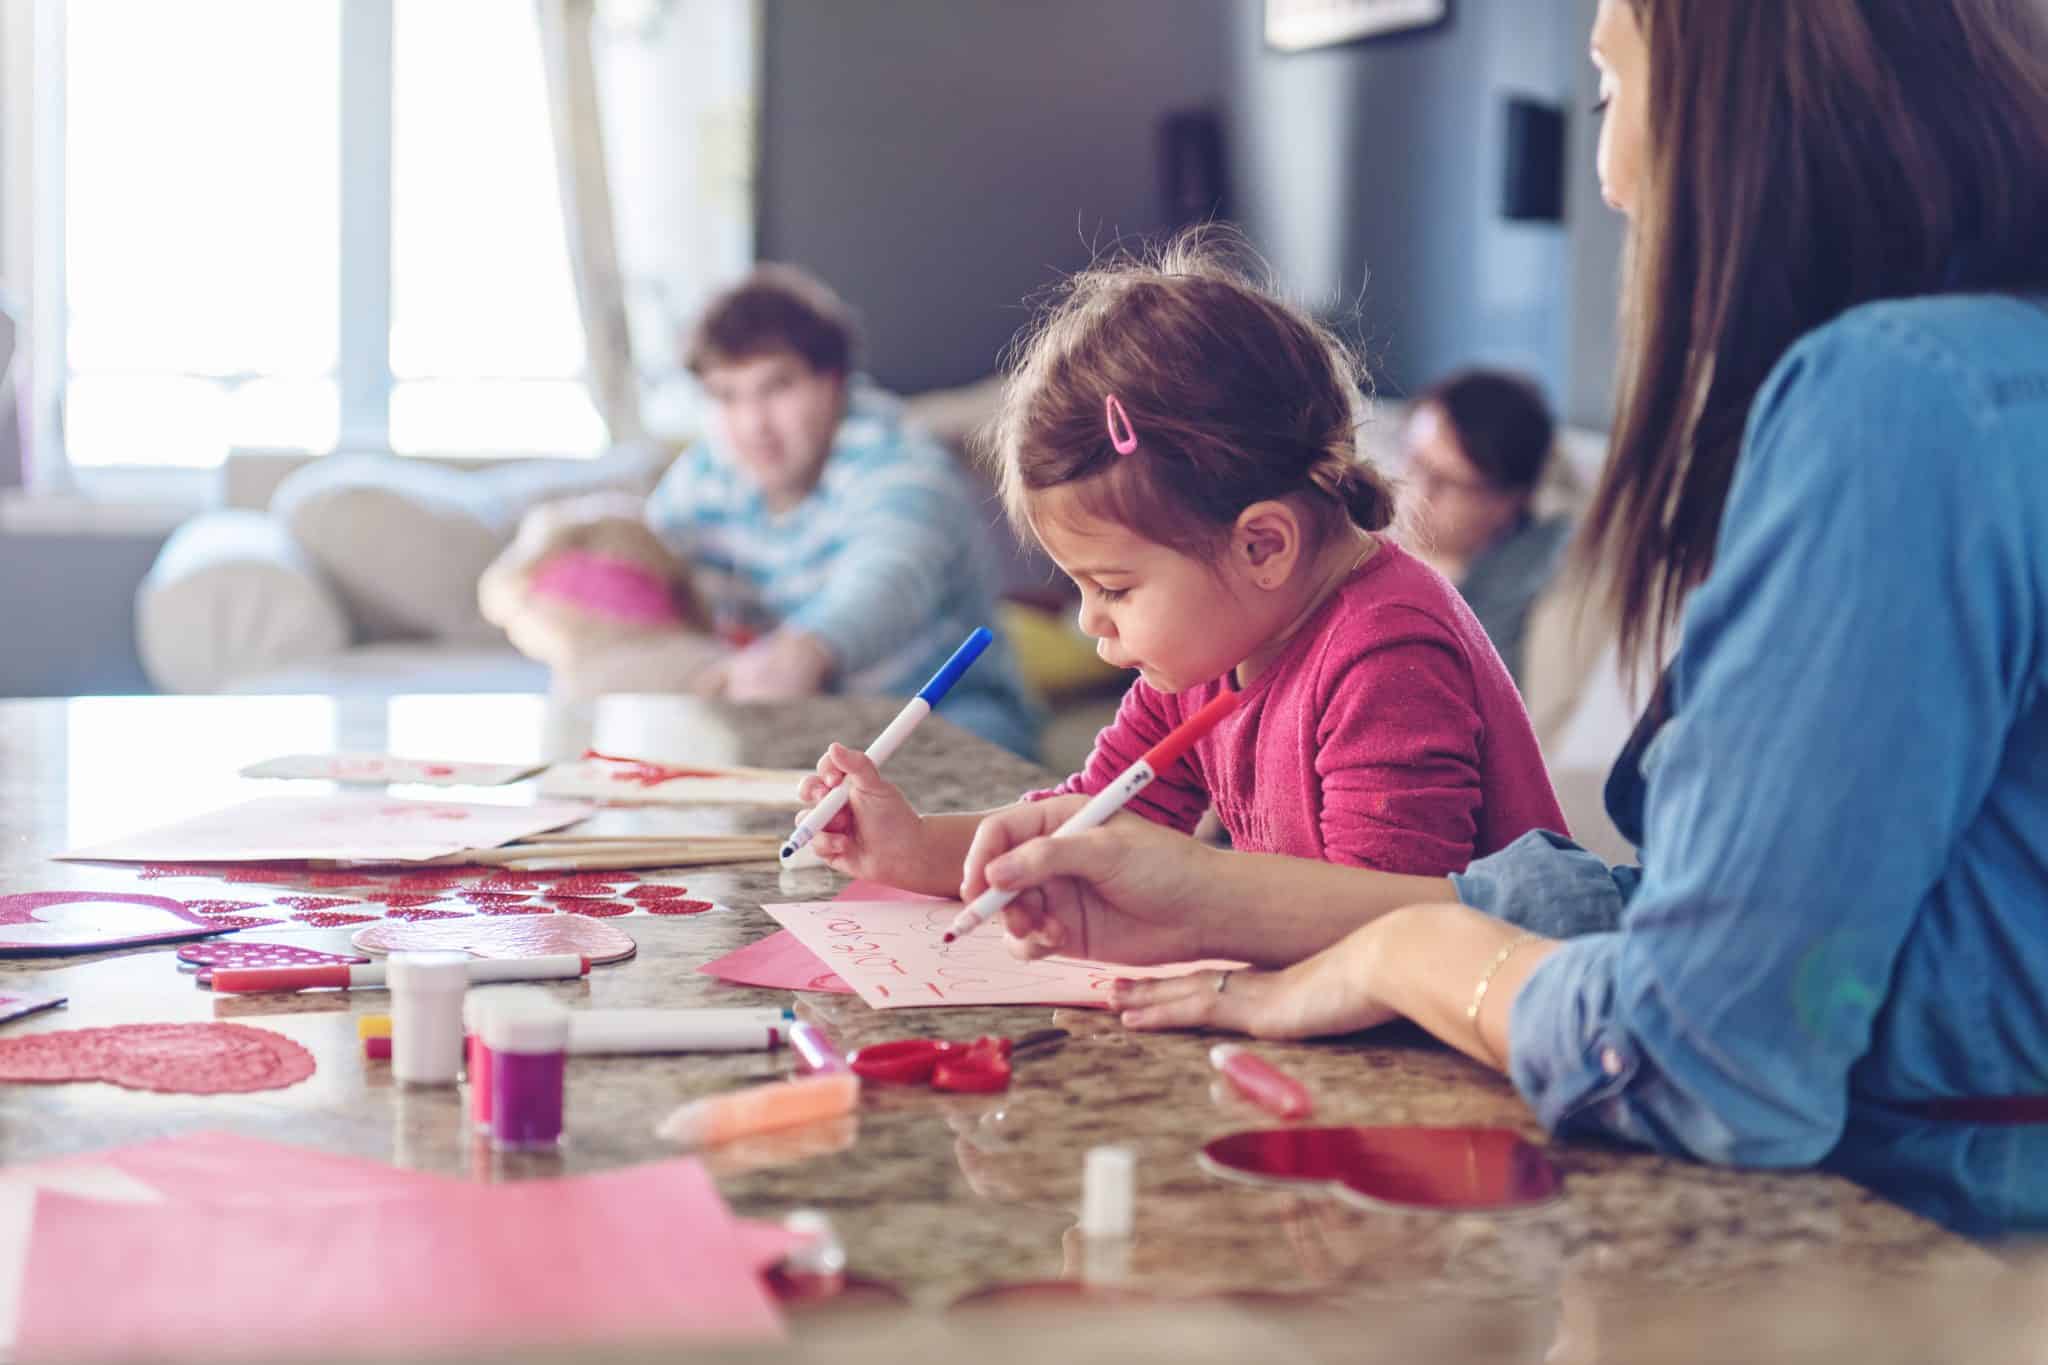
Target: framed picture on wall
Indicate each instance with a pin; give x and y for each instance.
(1297, 25)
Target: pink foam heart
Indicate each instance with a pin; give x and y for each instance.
(504, 936)
(36, 923)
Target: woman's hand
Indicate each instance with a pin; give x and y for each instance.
(876, 835)
(1128, 891)
(1332, 992)
(785, 666)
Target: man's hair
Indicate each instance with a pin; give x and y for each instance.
(775, 308)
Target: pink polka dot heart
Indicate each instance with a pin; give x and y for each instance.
(248, 953)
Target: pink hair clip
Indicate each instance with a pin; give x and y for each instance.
(1126, 440)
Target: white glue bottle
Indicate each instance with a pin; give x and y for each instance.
(426, 1016)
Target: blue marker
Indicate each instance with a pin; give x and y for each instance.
(891, 739)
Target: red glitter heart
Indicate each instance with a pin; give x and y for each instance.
(328, 880)
(589, 884)
(599, 909)
(193, 1059)
(505, 881)
(212, 908)
(315, 902)
(151, 872)
(677, 907)
(418, 913)
(329, 919)
(241, 921)
(403, 900)
(275, 873)
(656, 891)
(483, 899)
(513, 908)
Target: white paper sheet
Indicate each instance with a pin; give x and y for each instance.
(352, 827)
(379, 769)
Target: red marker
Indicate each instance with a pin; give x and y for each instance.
(1109, 800)
(343, 976)
(1259, 1081)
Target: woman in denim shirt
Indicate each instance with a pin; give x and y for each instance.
(1832, 455)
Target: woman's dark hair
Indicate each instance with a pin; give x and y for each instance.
(775, 308)
(1803, 157)
(1234, 397)
(1502, 423)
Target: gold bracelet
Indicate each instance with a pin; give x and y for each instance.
(1500, 960)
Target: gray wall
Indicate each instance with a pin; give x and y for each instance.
(67, 612)
(939, 160)
(1370, 177)
(1598, 235)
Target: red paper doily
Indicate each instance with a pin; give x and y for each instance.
(190, 1059)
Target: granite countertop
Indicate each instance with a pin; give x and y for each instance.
(938, 1196)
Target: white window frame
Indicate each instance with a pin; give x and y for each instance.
(36, 230)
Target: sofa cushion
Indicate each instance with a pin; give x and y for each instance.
(230, 594)
(403, 542)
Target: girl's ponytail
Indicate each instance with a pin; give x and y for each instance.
(1363, 492)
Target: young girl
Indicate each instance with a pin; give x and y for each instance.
(1182, 446)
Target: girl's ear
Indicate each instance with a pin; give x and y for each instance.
(1267, 542)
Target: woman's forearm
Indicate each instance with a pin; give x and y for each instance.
(1271, 910)
(1433, 963)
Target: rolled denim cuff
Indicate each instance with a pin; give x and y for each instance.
(1548, 885)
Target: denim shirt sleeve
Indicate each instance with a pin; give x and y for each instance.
(1834, 728)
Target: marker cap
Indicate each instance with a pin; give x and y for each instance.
(1108, 1192)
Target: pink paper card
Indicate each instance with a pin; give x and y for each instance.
(779, 962)
(46, 923)
(383, 768)
(350, 827)
(597, 1260)
(893, 955)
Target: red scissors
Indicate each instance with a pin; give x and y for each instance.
(980, 1067)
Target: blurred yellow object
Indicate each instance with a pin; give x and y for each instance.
(373, 1026)
(1057, 660)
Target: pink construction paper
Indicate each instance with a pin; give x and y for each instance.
(363, 827)
(644, 1254)
(229, 1169)
(779, 962)
(892, 952)
(45, 923)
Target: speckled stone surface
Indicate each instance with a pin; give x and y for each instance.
(938, 1195)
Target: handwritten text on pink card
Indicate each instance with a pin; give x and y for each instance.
(894, 956)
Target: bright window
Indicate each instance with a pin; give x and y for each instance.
(218, 158)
